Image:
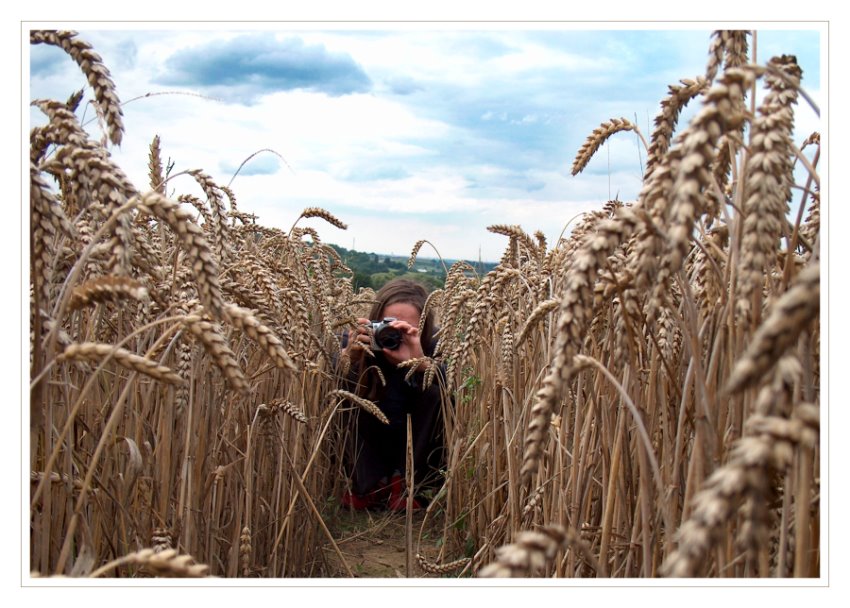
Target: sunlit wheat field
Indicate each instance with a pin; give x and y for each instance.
(639, 398)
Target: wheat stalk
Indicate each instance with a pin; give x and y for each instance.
(574, 316)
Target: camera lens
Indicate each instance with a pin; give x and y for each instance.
(388, 337)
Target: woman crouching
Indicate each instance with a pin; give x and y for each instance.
(376, 452)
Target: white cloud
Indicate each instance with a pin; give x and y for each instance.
(463, 129)
(530, 56)
(528, 119)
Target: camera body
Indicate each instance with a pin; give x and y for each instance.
(384, 336)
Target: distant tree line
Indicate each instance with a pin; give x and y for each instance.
(373, 269)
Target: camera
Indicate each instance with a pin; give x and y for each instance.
(384, 336)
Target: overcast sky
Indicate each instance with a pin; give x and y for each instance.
(403, 131)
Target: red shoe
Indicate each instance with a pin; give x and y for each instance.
(398, 500)
(355, 502)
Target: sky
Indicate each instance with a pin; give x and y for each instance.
(403, 130)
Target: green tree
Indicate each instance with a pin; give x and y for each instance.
(362, 280)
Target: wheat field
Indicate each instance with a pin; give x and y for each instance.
(640, 399)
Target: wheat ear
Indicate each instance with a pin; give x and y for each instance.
(191, 236)
(665, 122)
(772, 435)
(728, 49)
(246, 321)
(215, 344)
(107, 289)
(789, 316)
(540, 311)
(166, 563)
(325, 215)
(245, 551)
(597, 138)
(534, 550)
(155, 170)
(289, 409)
(432, 568)
(96, 73)
(367, 405)
(723, 112)
(768, 185)
(91, 351)
(574, 317)
(221, 230)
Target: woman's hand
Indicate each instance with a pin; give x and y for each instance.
(359, 335)
(410, 347)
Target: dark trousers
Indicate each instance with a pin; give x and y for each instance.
(378, 450)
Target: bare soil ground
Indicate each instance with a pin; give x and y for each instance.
(374, 544)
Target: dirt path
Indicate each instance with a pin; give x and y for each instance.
(374, 544)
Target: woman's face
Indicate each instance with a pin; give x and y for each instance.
(407, 322)
(403, 311)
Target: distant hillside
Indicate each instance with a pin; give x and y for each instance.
(375, 269)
